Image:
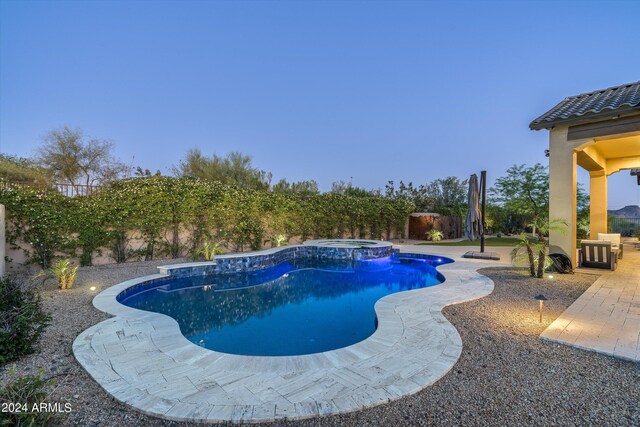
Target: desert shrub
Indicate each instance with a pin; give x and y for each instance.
(28, 390)
(434, 235)
(22, 320)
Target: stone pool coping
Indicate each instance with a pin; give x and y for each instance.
(143, 360)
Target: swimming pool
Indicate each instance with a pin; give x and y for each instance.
(296, 307)
(143, 359)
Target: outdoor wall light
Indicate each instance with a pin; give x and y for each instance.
(93, 288)
(542, 299)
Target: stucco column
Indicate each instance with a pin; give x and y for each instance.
(563, 181)
(2, 240)
(598, 203)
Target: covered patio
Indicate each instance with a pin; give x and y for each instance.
(600, 132)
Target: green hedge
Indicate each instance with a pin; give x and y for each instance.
(158, 209)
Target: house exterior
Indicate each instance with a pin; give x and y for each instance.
(600, 132)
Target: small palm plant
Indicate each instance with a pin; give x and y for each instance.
(534, 251)
(209, 250)
(63, 271)
(435, 235)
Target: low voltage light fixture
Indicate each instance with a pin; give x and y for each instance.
(542, 299)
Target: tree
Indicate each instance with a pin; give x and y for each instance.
(524, 194)
(77, 159)
(524, 190)
(449, 195)
(583, 215)
(417, 195)
(234, 168)
(145, 173)
(340, 187)
(300, 187)
(21, 170)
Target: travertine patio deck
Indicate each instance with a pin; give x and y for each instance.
(142, 359)
(606, 318)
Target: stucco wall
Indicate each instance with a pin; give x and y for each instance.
(2, 240)
(18, 259)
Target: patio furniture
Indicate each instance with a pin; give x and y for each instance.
(597, 254)
(616, 242)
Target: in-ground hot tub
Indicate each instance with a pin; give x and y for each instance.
(348, 243)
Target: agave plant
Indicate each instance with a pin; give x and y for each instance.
(435, 235)
(281, 240)
(209, 250)
(63, 271)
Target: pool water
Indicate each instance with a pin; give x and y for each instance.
(297, 307)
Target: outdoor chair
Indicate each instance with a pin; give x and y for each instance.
(597, 254)
(616, 242)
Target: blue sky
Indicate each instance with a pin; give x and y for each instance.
(324, 90)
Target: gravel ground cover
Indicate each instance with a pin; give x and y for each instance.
(505, 376)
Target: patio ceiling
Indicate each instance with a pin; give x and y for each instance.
(610, 154)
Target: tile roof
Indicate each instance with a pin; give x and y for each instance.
(603, 103)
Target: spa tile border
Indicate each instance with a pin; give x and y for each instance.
(252, 261)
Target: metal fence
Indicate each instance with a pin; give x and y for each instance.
(627, 227)
(68, 190)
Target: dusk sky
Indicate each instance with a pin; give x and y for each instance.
(335, 90)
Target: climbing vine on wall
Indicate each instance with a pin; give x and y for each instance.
(159, 210)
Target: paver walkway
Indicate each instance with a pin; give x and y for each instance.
(606, 318)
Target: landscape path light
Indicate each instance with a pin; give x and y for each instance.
(542, 299)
